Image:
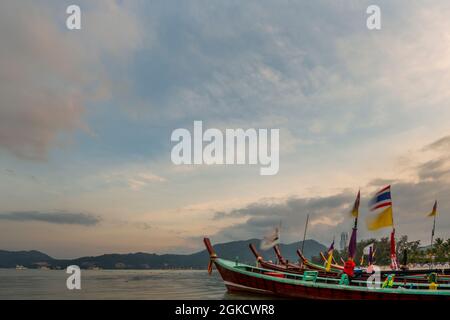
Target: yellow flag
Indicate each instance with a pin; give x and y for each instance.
(355, 209)
(381, 220)
(434, 212)
(330, 258)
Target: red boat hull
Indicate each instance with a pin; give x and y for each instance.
(238, 282)
(244, 278)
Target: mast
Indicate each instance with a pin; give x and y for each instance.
(394, 263)
(432, 239)
(392, 216)
(353, 242)
(433, 213)
(432, 231)
(304, 234)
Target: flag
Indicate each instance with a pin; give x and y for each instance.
(383, 219)
(355, 209)
(434, 211)
(433, 214)
(394, 263)
(331, 248)
(382, 199)
(371, 255)
(405, 257)
(352, 245)
(368, 251)
(330, 256)
(271, 239)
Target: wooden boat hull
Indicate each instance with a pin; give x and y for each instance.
(239, 282)
(244, 278)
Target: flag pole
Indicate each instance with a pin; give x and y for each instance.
(354, 230)
(356, 218)
(434, 213)
(353, 242)
(304, 234)
(432, 231)
(432, 239)
(393, 227)
(392, 215)
(393, 246)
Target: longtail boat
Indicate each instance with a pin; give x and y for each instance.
(314, 266)
(420, 276)
(245, 278)
(333, 265)
(285, 266)
(406, 273)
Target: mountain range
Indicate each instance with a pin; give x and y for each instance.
(199, 260)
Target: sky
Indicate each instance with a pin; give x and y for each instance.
(86, 118)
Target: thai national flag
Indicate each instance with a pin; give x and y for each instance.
(381, 199)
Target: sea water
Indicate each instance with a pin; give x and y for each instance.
(115, 284)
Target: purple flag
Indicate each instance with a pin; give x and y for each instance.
(352, 245)
(331, 248)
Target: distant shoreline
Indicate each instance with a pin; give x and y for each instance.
(234, 250)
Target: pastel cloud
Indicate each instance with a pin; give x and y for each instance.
(141, 180)
(70, 218)
(413, 199)
(48, 74)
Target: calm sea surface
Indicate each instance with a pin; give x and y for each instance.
(114, 284)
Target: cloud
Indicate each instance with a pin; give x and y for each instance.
(141, 180)
(258, 63)
(379, 182)
(82, 219)
(345, 99)
(434, 169)
(136, 177)
(441, 144)
(49, 74)
(325, 213)
(329, 215)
